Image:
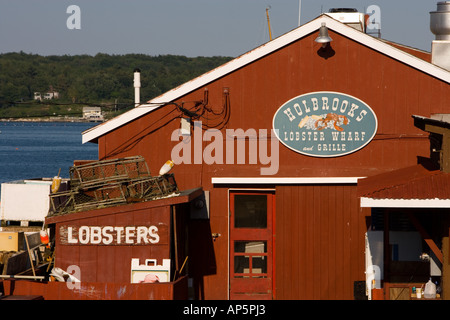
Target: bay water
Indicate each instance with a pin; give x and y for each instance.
(40, 149)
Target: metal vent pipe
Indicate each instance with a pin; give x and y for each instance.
(137, 87)
(440, 21)
(440, 26)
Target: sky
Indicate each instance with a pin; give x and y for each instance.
(185, 27)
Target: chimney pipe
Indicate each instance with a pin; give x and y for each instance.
(440, 27)
(137, 87)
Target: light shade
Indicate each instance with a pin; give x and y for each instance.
(323, 35)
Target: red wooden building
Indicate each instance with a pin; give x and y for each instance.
(285, 219)
(288, 143)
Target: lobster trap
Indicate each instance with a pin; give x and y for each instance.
(112, 182)
(99, 173)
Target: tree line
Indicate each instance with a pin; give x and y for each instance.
(99, 79)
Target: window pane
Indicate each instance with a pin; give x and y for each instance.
(242, 261)
(241, 264)
(250, 211)
(250, 246)
(259, 265)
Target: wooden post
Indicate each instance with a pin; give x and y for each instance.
(426, 237)
(29, 255)
(445, 278)
(175, 238)
(386, 252)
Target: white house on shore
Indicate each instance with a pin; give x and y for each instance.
(93, 114)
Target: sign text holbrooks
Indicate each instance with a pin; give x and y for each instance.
(325, 124)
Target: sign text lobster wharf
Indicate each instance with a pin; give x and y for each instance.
(325, 124)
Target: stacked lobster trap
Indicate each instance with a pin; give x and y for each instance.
(111, 182)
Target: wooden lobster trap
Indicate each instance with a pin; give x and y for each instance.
(99, 173)
(152, 187)
(110, 182)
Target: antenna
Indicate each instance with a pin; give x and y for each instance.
(299, 11)
(268, 22)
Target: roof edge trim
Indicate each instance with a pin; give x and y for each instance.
(93, 133)
(404, 203)
(285, 180)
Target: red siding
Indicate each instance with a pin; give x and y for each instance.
(102, 263)
(327, 254)
(98, 291)
(260, 88)
(319, 242)
(112, 263)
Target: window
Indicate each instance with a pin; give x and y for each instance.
(250, 211)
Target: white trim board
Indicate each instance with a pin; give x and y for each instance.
(285, 180)
(114, 123)
(259, 52)
(404, 203)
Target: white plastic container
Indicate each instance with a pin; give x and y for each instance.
(150, 270)
(430, 290)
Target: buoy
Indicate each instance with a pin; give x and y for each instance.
(166, 167)
(56, 182)
(44, 237)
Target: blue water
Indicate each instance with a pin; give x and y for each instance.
(39, 149)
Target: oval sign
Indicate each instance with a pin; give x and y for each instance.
(325, 124)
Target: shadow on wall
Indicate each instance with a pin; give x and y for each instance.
(326, 52)
(201, 255)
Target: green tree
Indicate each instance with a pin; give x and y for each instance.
(96, 79)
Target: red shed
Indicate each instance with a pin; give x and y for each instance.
(103, 242)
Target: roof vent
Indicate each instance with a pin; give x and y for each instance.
(440, 27)
(334, 10)
(440, 21)
(348, 16)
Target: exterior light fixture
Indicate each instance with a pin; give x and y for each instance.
(323, 37)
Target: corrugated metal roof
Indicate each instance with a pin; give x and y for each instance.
(416, 182)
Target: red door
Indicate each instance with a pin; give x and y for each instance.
(251, 245)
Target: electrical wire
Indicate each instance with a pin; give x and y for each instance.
(199, 111)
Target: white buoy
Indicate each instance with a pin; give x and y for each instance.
(166, 167)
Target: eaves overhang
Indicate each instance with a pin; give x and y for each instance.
(419, 186)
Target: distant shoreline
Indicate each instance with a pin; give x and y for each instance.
(49, 119)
